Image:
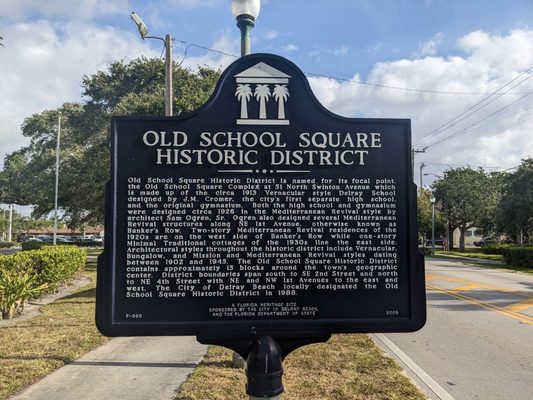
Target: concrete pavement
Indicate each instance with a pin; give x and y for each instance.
(136, 368)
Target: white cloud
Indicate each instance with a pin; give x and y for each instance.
(490, 61)
(46, 65)
(224, 43)
(430, 47)
(288, 48)
(79, 9)
(48, 60)
(192, 3)
(341, 51)
(318, 52)
(271, 35)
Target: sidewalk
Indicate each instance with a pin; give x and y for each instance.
(135, 368)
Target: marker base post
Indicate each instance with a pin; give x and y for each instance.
(264, 369)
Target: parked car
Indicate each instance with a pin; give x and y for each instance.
(63, 239)
(438, 243)
(44, 238)
(484, 241)
(32, 239)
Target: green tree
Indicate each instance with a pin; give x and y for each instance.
(515, 209)
(467, 197)
(134, 88)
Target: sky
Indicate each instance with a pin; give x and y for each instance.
(459, 69)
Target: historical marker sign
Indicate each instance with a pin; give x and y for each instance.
(261, 212)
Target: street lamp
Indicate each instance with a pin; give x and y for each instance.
(432, 199)
(143, 31)
(246, 11)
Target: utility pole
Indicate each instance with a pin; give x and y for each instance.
(57, 177)
(413, 152)
(168, 75)
(421, 175)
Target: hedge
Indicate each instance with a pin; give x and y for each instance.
(29, 273)
(496, 248)
(6, 245)
(40, 245)
(521, 256)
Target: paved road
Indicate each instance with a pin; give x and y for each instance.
(478, 341)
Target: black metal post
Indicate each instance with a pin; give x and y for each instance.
(264, 369)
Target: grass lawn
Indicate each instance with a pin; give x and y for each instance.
(481, 256)
(471, 253)
(346, 367)
(64, 331)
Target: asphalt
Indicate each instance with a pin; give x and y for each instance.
(135, 368)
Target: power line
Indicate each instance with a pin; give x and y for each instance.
(454, 121)
(477, 122)
(494, 133)
(463, 165)
(404, 88)
(189, 44)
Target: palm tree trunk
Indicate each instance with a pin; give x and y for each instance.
(281, 109)
(244, 109)
(262, 108)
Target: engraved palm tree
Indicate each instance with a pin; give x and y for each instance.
(262, 93)
(244, 93)
(281, 93)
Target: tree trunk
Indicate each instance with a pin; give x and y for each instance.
(462, 239)
(450, 236)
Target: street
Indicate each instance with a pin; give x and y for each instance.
(478, 340)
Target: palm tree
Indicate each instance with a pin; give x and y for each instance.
(244, 93)
(281, 93)
(262, 93)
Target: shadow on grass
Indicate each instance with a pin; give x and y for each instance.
(133, 364)
(88, 293)
(65, 360)
(218, 364)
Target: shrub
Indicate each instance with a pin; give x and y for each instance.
(28, 273)
(58, 263)
(33, 245)
(15, 290)
(519, 255)
(6, 245)
(495, 248)
(90, 244)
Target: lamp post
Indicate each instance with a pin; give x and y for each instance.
(432, 199)
(143, 31)
(245, 11)
(57, 177)
(10, 226)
